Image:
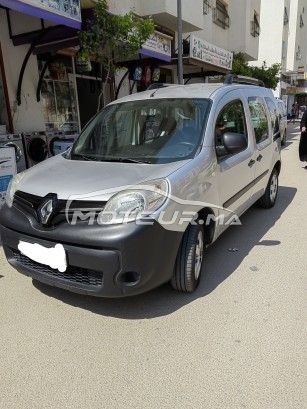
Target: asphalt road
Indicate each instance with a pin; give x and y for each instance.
(238, 342)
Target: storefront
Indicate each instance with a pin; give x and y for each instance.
(205, 60)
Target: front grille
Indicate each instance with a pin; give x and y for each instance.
(72, 274)
(30, 204)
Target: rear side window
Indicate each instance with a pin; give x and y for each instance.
(275, 116)
(259, 118)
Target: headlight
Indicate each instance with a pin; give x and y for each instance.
(12, 187)
(132, 204)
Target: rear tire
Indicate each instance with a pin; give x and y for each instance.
(189, 261)
(269, 197)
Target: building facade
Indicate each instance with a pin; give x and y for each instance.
(42, 88)
(283, 41)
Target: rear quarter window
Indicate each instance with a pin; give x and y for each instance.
(275, 116)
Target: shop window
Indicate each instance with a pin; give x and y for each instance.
(59, 97)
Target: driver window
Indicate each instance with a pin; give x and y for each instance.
(230, 119)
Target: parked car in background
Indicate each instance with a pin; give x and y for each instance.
(283, 122)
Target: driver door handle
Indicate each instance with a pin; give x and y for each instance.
(251, 163)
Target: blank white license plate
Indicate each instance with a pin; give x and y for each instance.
(54, 257)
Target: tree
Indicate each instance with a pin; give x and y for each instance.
(110, 38)
(269, 75)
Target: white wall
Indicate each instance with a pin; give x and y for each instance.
(29, 115)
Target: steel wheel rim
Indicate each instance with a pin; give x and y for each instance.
(199, 249)
(273, 188)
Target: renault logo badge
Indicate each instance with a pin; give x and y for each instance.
(45, 211)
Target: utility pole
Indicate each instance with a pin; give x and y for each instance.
(180, 67)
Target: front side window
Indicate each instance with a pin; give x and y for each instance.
(259, 118)
(230, 119)
(148, 131)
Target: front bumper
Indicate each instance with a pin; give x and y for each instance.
(106, 261)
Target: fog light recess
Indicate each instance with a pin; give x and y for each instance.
(128, 279)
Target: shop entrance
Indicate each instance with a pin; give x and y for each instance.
(89, 90)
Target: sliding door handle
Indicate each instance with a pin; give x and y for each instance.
(259, 158)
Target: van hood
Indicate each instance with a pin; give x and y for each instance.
(96, 180)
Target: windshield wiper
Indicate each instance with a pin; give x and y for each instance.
(124, 160)
(85, 157)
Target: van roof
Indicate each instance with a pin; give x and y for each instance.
(198, 90)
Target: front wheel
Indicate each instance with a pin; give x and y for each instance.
(189, 261)
(269, 197)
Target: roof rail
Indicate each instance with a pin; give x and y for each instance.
(156, 85)
(231, 78)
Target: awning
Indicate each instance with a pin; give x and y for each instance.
(66, 12)
(57, 38)
(159, 46)
(155, 54)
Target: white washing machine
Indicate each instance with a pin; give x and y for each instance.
(61, 145)
(15, 141)
(53, 136)
(36, 147)
(58, 142)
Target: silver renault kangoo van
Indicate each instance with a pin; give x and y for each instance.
(151, 182)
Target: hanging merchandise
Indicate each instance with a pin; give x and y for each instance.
(146, 78)
(83, 65)
(137, 74)
(58, 71)
(155, 74)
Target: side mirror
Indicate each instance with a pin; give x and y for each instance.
(234, 142)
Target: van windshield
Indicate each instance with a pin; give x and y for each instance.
(147, 131)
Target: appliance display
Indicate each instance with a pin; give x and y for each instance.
(53, 136)
(57, 140)
(15, 141)
(62, 145)
(7, 169)
(36, 147)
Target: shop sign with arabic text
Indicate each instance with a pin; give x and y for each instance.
(65, 12)
(159, 43)
(211, 54)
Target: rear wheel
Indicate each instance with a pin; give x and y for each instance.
(269, 197)
(189, 261)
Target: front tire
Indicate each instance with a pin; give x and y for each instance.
(269, 197)
(189, 261)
